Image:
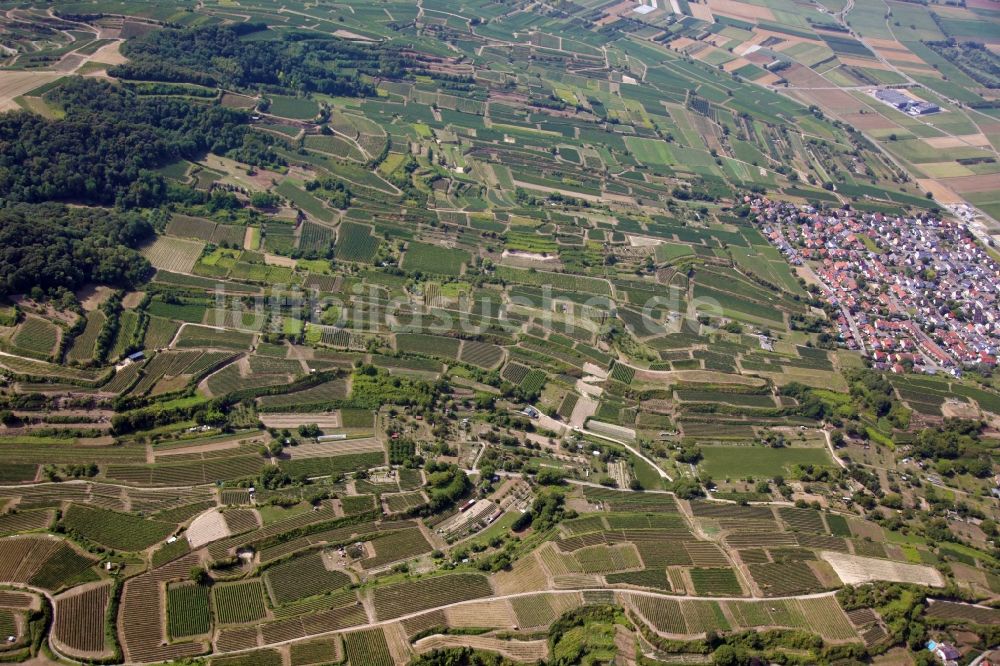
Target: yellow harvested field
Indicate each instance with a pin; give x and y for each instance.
(173, 254)
(942, 193)
(682, 43)
(15, 84)
(945, 170)
(957, 141)
(206, 528)
(853, 569)
(987, 182)
(768, 80)
(741, 10)
(733, 65)
(109, 54)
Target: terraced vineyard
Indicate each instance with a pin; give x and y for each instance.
(381, 333)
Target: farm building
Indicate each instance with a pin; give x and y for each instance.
(895, 98)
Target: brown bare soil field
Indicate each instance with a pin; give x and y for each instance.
(942, 193)
(15, 84)
(735, 64)
(803, 77)
(868, 121)
(702, 12)
(836, 101)
(109, 54)
(982, 183)
(681, 43)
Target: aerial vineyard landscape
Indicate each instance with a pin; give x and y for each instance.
(494, 332)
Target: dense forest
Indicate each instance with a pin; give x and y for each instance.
(98, 151)
(300, 62)
(51, 246)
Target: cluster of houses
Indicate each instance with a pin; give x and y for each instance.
(915, 292)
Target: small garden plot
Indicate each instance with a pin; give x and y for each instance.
(188, 610)
(121, 531)
(367, 647)
(239, 602)
(173, 254)
(434, 259)
(716, 582)
(36, 336)
(431, 345)
(481, 354)
(303, 576)
(413, 596)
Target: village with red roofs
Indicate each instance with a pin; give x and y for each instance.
(913, 293)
